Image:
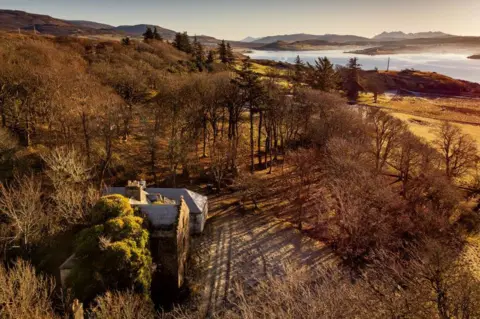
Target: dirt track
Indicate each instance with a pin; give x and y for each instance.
(249, 247)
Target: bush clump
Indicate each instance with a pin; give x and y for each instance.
(111, 206)
(113, 255)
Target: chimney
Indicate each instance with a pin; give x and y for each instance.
(135, 190)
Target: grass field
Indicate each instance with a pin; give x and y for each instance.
(423, 115)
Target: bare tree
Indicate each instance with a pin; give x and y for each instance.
(22, 205)
(24, 293)
(376, 84)
(74, 194)
(301, 180)
(459, 151)
(123, 305)
(220, 161)
(387, 132)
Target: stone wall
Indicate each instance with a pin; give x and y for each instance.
(183, 240)
(170, 248)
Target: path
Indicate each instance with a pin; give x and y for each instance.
(249, 247)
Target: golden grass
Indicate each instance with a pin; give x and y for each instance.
(466, 111)
(423, 115)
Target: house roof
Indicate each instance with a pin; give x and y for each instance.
(196, 203)
(160, 216)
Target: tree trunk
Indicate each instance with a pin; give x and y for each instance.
(153, 160)
(252, 143)
(2, 113)
(106, 162)
(27, 128)
(259, 139)
(204, 137)
(86, 136)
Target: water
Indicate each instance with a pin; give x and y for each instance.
(455, 65)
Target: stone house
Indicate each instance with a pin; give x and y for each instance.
(157, 203)
(173, 214)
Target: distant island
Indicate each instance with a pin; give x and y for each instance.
(475, 57)
(388, 50)
(306, 45)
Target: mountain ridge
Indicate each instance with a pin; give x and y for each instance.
(249, 39)
(339, 38)
(400, 35)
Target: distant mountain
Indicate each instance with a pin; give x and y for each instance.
(399, 35)
(306, 45)
(139, 29)
(12, 20)
(249, 39)
(90, 24)
(304, 37)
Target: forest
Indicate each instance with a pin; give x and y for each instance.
(78, 115)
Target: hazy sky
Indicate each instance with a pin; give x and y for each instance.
(236, 19)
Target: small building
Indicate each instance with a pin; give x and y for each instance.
(170, 228)
(159, 203)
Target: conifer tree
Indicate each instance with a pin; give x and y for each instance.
(229, 53)
(323, 76)
(126, 41)
(157, 35)
(182, 42)
(352, 85)
(211, 57)
(222, 52)
(254, 94)
(198, 53)
(148, 35)
(299, 70)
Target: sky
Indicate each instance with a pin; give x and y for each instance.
(237, 19)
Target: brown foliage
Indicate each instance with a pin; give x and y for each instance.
(24, 293)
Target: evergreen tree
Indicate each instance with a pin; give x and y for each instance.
(298, 76)
(177, 42)
(182, 42)
(254, 95)
(352, 83)
(148, 35)
(222, 52)
(211, 57)
(157, 35)
(229, 53)
(198, 53)
(126, 41)
(323, 76)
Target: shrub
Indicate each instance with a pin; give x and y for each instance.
(24, 293)
(123, 305)
(113, 255)
(111, 206)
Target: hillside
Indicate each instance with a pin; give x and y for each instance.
(19, 20)
(90, 24)
(441, 45)
(139, 29)
(304, 37)
(11, 20)
(428, 83)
